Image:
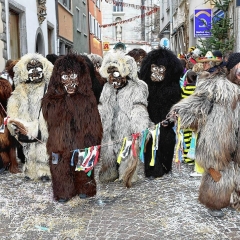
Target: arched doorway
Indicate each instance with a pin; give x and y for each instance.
(40, 46)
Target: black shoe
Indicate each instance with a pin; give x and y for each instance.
(45, 178)
(2, 170)
(216, 213)
(27, 178)
(83, 195)
(62, 200)
(151, 178)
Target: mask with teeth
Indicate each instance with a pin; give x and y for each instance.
(116, 79)
(70, 82)
(35, 71)
(158, 73)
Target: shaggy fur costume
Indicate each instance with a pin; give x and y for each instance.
(73, 123)
(123, 112)
(213, 111)
(96, 85)
(24, 105)
(7, 141)
(97, 62)
(162, 95)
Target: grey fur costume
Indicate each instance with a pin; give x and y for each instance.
(24, 105)
(214, 111)
(123, 112)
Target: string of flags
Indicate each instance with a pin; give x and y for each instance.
(154, 10)
(118, 3)
(128, 41)
(89, 157)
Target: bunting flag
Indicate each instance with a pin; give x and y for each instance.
(134, 136)
(120, 153)
(154, 10)
(2, 127)
(87, 159)
(128, 41)
(143, 142)
(126, 150)
(153, 133)
(179, 142)
(117, 3)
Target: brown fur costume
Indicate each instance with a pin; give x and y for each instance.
(7, 142)
(73, 123)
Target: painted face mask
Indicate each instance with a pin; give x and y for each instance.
(70, 82)
(35, 71)
(158, 73)
(116, 79)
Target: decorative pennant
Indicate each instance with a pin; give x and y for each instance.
(121, 151)
(153, 133)
(144, 136)
(134, 137)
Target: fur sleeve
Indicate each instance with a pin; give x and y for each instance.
(139, 114)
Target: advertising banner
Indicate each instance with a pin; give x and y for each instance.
(202, 22)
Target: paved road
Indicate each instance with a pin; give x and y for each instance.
(165, 208)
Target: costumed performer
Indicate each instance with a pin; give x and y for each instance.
(73, 121)
(161, 70)
(7, 141)
(213, 112)
(31, 77)
(123, 111)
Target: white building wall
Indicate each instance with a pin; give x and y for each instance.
(131, 31)
(32, 24)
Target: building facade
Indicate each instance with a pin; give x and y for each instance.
(80, 26)
(177, 22)
(132, 25)
(30, 27)
(94, 23)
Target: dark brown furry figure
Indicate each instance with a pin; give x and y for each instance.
(73, 123)
(7, 142)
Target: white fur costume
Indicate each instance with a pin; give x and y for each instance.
(123, 112)
(25, 106)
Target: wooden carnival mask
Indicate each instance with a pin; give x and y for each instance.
(69, 82)
(35, 71)
(115, 78)
(158, 73)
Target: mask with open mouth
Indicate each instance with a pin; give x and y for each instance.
(35, 71)
(116, 79)
(158, 73)
(70, 82)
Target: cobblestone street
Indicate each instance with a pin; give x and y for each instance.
(165, 208)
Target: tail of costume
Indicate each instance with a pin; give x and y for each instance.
(128, 167)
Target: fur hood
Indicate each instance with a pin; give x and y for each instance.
(166, 58)
(21, 72)
(125, 64)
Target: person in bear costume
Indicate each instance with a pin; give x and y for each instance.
(73, 121)
(123, 110)
(31, 76)
(7, 141)
(213, 112)
(161, 70)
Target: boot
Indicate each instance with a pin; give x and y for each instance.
(216, 213)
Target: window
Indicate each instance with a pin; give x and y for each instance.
(90, 23)
(78, 21)
(84, 24)
(67, 4)
(118, 6)
(99, 32)
(98, 3)
(95, 29)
